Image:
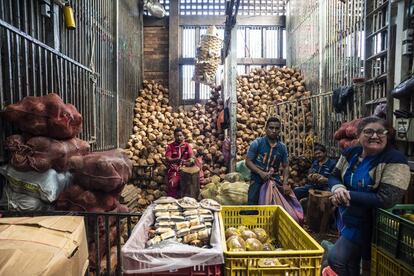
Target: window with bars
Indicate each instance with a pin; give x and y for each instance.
(253, 43)
(218, 7)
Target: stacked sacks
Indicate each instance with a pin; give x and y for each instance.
(99, 179)
(45, 116)
(38, 163)
(56, 167)
(43, 153)
(232, 191)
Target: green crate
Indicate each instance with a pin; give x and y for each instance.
(395, 234)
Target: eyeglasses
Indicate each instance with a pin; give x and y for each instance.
(369, 132)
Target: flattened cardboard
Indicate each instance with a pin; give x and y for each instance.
(53, 245)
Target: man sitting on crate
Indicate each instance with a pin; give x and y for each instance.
(264, 157)
(178, 153)
(319, 172)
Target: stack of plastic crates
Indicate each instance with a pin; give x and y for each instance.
(393, 241)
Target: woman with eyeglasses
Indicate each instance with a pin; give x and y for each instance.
(370, 175)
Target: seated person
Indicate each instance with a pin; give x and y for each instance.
(319, 172)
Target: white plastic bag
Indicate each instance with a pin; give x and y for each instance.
(14, 201)
(46, 186)
(138, 259)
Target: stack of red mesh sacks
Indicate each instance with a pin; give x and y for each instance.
(347, 134)
(98, 179)
(49, 127)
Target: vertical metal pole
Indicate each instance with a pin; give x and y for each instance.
(231, 90)
(117, 3)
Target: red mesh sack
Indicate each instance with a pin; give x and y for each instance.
(101, 171)
(346, 143)
(341, 132)
(43, 153)
(75, 198)
(352, 129)
(102, 244)
(45, 116)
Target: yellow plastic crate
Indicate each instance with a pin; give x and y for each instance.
(304, 254)
(382, 264)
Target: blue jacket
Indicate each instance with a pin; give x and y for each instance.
(266, 157)
(325, 169)
(374, 182)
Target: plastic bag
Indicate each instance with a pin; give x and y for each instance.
(233, 177)
(138, 259)
(101, 171)
(235, 193)
(236, 243)
(15, 201)
(45, 116)
(253, 244)
(46, 186)
(247, 234)
(43, 153)
(268, 247)
(404, 89)
(231, 231)
(243, 170)
(261, 234)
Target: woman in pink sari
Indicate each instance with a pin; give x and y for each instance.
(177, 154)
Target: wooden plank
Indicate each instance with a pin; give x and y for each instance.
(244, 61)
(261, 61)
(174, 46)
(242, 20)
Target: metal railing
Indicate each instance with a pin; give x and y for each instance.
(94, 223)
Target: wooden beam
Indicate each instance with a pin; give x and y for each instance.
(242, 20)
(244, 61)
(174, 46)
(261, 61)
(230, 95)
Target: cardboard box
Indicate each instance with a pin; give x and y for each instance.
(53, 245)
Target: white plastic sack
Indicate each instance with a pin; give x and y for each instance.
(14, 201)
(155, 8)
(138, 259)
(46, 186)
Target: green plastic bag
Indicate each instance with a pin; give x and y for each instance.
(243, 170)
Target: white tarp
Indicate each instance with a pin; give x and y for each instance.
(174, 255)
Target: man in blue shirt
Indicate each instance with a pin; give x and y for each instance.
(264, 157)
(319, 172)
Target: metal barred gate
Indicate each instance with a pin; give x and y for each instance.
(97, 67)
